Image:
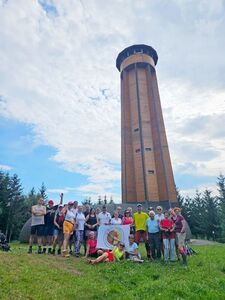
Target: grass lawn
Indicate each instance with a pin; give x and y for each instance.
(24, 276)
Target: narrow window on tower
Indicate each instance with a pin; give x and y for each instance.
(148, 149)
(150, 171)
(136, 129)
(137, 150)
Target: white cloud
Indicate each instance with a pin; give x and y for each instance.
(5, 168)
(57, 72)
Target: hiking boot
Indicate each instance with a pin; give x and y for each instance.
(39, 250)
(44, 250)
(65, 253)
(29, 250)
(53, 252)
(49, 250)
(59, 251)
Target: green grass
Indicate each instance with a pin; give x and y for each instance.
(24, 276)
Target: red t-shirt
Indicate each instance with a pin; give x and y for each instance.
(127, 220)
(92, 244)
(167, 224)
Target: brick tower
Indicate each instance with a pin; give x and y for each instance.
(147, 174)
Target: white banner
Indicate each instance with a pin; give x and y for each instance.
(110, 235)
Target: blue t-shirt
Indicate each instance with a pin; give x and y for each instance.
(152, 225)
(131, 248)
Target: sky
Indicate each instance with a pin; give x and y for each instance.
(60, 90)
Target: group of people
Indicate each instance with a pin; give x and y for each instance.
(62, 229)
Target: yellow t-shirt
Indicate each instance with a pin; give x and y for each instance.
(118, 254)
(140, 220)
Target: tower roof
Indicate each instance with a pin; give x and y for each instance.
(136, 49)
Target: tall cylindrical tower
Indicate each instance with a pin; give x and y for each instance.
(147, 174)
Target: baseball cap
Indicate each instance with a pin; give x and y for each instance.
(70, 203)
(139, 205)
(60, 205)
(50, 202)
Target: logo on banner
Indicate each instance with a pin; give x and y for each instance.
(112, 237)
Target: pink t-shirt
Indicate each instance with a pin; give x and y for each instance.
(92, 244)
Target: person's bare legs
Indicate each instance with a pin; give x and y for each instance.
(101, 258)
(65, 243)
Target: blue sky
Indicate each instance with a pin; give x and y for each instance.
(60, 90)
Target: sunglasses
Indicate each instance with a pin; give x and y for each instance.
(122, 245)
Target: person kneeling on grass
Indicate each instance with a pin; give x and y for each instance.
(91, 249)
(117, 254)
(132, 252)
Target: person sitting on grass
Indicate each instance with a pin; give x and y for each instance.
(117, 254)
(91, 249)
(132, 252)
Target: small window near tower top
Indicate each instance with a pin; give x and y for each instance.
(148, 149)
(137, 150)
(150, 171)
(136, 129)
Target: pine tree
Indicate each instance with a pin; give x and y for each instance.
(211, 216)
(42, 191)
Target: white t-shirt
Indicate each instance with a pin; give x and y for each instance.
(80, 220)
(116, 222)
(70, 216)
(159, 218)
(38, 220)
(131, 248)
(104, 218)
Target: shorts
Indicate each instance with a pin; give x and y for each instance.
(140, 235)
(48, 230)
(37, 229)
(110, 255)
(67, 227)
(180, 239)
(58, 232)
(93, 254)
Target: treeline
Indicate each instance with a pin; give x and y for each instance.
(205, 213)
(15, 206)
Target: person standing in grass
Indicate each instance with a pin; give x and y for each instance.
(58, 230)
(104, 217)
(68, 226)
(180, 228)
(37, 224)
(140, 219)
(128, 220)
(116, 220)
(117, 254)
(167, 227)
(154, 236)
(79, 232)
(91, 223)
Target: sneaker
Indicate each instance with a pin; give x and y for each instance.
(29, 251)
(77, 254)
(53, 252)
(44, 250)
(49, 250)
(39, 250)
(59, 251)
